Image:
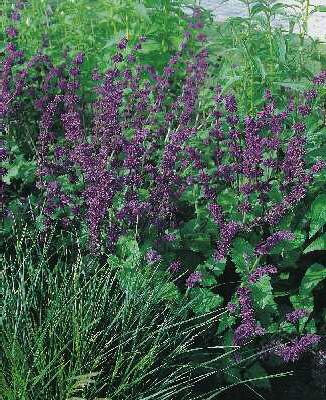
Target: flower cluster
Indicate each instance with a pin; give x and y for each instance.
(248, 327)
(193, 279)
(262, 271)
(293, 350)
(296, 315)
(273, 240)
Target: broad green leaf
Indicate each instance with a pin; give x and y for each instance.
(257, 371)
(313, 276)
(226, 321)
(318, 244)
(127, 248)
(317, 214)
(262, 293)
(241, 250)
(200, 244)
(217, 267)
(204, 300)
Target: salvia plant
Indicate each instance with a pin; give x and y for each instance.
(174, 170)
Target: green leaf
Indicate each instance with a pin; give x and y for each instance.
(203, 300)
(200, 244)
(226, 321)
(318, 244)
(262, 293)
(240, 250)
(11, 174)
(314, 274)
(217, 267)
(127, 248)
(257, 371)
(317, 214)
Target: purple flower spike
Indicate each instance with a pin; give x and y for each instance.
(11, 32)
(293, 350)
(227, 234)
(79, 59)
(320, 79)
(122, 44)
(153, 256)
(193, 278)
(117, 58)
(15, 16)
(273, 240)
(175, 266)
(248, 327)
(319, 166)
(296, 315)
(262, 271)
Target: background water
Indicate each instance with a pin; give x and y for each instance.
(234, 8)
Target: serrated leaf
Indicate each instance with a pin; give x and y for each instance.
(217, 267)
(262, 293)
(318, 244)
(226, 321)
(317, 214)
(314, 274)
(127, 248)
(241, 249)
(204, 300)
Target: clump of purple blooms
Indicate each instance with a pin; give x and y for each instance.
(152, 256)
(248, 327)
(266, 246)
(292, 351)
(262, 271)
(296, 315)
(193, 279)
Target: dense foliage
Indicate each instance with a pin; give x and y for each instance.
(185, 166)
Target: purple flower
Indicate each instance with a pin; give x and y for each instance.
(15, 16)
(273, 240)
(122, 44)
(304, 110)
(320, 79)
(96, 75)
(231, 307)
(11, 32)
(319, 166)
(193, 278)
(248, 327)
(117, 58)
(169, 237)
(152, 256)
(227, 234)
(230, 103)
(217, 213)
(262, 271)
(175, 266)
(79, 59)
(294, 349)
(310, 94)
(296, 315)
(3, 154)
(299, 127)
(131, 58)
